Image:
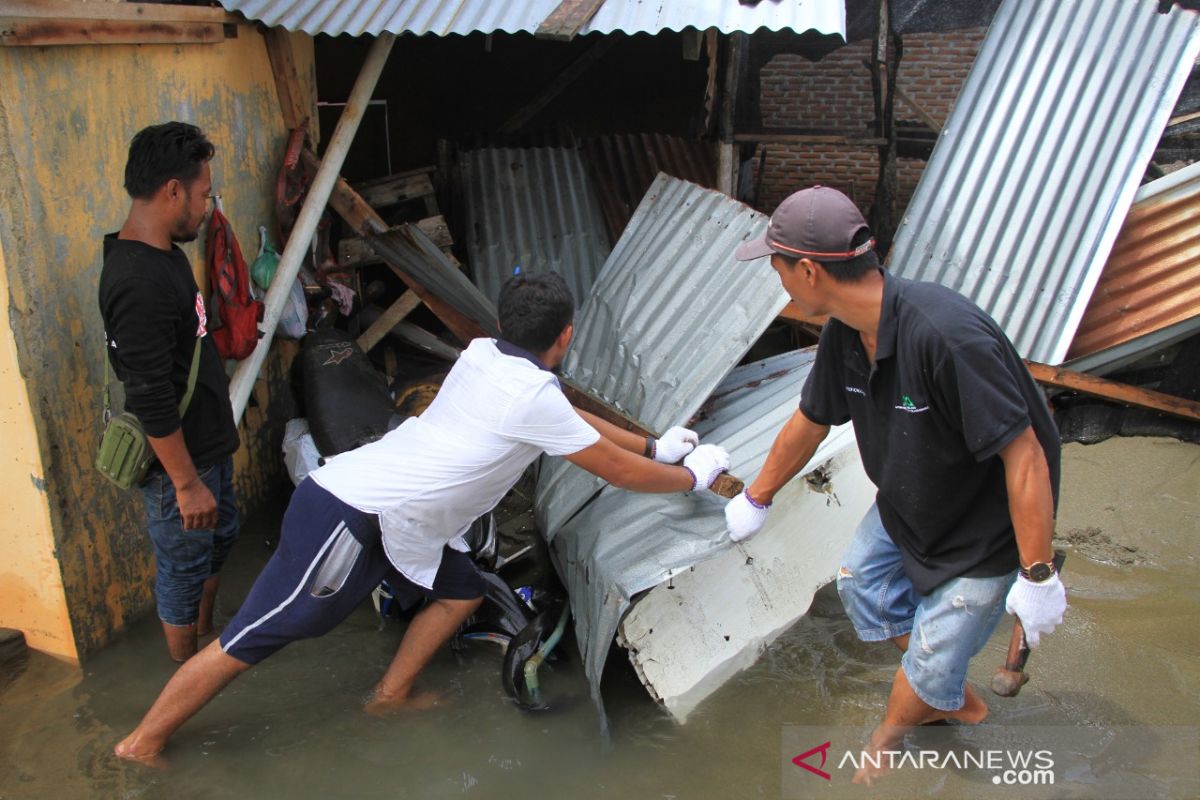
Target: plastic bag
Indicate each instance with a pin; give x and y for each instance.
(293, 322)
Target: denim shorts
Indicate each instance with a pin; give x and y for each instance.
(947, 627)
(186, 559)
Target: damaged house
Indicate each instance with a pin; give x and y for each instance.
(421, 152)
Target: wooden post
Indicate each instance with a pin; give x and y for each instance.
(298, 111)
(310, 214)
(885, 62)
(727, 177)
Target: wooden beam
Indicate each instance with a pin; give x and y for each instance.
(347, 202)
(808, 138)
(565, 22)
(29, 32)
(558, 85)
(294, 102)
(388, 320)
(133, 12)
(1116, 392)
(355, 252)
(396, 188)
(925, 116)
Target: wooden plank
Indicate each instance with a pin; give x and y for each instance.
(29, 32)
(141, 12)
(792, 314)
(395, 189)
(294, 102)
(1111, 390)
(565, 21)
(925, 116)
(388, 320)
(807, 138)
(558, 85)
(346, 202)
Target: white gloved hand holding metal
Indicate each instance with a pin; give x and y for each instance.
(744, 516)
(673, 445)
(1039, 606)
(705, 463)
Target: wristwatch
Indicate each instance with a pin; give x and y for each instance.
(1038, 572)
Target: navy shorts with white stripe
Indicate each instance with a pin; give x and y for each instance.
(330, 557)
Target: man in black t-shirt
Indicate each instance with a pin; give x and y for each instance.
(153, 314)
(955, 435)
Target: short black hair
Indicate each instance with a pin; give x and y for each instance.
(159, 153)
(534, 309)
(850, 271)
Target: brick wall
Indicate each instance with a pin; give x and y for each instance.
(835, 93)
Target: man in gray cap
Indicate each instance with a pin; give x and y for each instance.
(956, 437)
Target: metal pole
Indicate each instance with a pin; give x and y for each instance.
(306, 224)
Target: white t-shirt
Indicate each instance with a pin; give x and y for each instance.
(431, 477)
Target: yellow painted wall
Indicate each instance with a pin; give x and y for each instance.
(31, 588)
(66, 117)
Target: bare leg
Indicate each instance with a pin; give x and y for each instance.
(905, 710)
(189, 690)
(181, 641)
(208, 599)
(428, 631)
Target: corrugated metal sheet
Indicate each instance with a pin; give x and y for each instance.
(445, 17)
(624, 165)
(422, 261)
(533, 207)
(1041, 156)
(670, 314)
(623, 543)
(1152, 279)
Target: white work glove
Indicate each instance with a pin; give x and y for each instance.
(744, 517)
(705, 463)
(674, 445)
(1039, 606)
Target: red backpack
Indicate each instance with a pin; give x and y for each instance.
(233, 314)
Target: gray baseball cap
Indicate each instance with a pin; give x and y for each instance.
(817, 223)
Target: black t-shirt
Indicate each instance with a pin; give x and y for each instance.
(947, 394)
(152, 312)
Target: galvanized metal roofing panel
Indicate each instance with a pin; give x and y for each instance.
(670, 314)
(534, 208)
(1039, 160)
(445, 17)
(624, 543)
(422, 261)
(1152, 279)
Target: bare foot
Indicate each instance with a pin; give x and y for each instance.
(128, 749)
(383, 705)
(876, 761)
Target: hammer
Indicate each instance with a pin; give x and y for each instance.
(1009, 679)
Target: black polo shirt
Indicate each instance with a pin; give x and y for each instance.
(948, 391)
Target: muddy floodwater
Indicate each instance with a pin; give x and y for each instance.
(1123, 669)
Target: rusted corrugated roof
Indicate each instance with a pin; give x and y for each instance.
(1152, 278)
(624, 165)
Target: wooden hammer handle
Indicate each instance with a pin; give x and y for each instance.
(727, 485)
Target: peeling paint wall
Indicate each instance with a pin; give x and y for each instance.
(66, 117)
(31, 588)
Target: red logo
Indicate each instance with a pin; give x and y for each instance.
(823, 749)
(201, 316)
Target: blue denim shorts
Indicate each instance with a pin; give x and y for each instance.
(947, 627)
(186, 559)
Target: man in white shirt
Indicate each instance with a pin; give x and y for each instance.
(397, 508)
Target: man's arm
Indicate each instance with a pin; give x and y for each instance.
(794, 446)
(627, 470)
(626, 440)
(1030, 497)
(197, 506)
